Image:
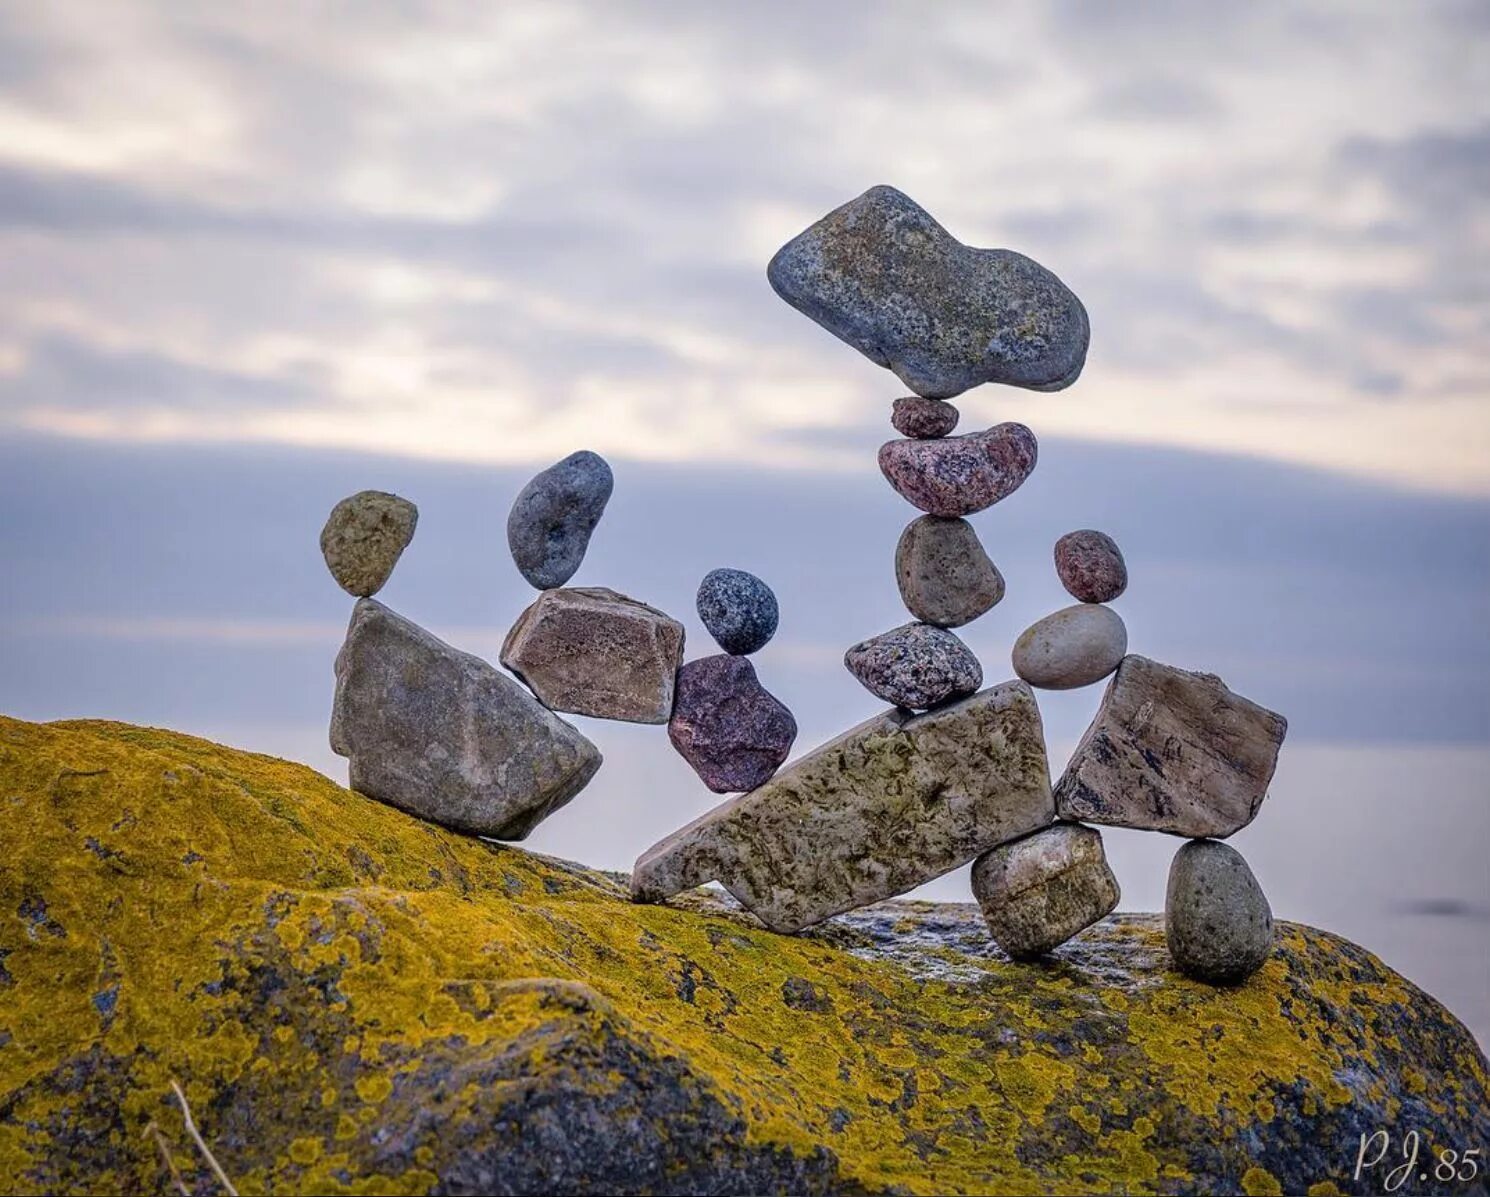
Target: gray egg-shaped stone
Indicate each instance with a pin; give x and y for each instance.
(364, 537)
(1072, 647)
(945, 577)
(549, 526)
(739, 610)
(1217, 920)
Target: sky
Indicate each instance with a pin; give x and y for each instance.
(256, 259)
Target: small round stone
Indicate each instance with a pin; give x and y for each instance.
(549, 526)
(738, 609)
(923, 419)
(364, 537)
(958, 475)
(915, 666)
(945, 577)
(731, 729)
(1216, 917)
(1072, 647)
(1091, 566)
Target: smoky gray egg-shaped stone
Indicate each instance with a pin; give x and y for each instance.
(364, 537)
(1216, 917)
(923, 419)
(915, 666)
(882, 275)
(945, 577)
(549, 526)
(1091, 566)
(739, 610)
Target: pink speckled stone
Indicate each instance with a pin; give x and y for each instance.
(958, 475)
(1091, 566)
(923, 419)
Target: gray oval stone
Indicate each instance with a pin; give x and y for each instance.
(738, 609)
(945, 577)
(915, 666)
(1072, 647)
(1216, 917)
(549, 526)
(1091, 566)
(364, 537)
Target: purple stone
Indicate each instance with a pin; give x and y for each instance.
(731, 729)
(958, 475)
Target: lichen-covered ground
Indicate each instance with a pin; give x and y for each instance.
(354, 1001)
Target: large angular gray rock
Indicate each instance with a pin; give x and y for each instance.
(1039, 891)
(945, 577)
(1172, 751)
(549, 526)
(882, 275)
(364, 537)
(441, 734)
(1217, 920)
(885, 807)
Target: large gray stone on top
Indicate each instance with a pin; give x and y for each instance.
(443, 735)
(1172, 751)
(884, 276)
(891, 804)
(549, 526)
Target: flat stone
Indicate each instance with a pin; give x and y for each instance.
(915, 665)
(1216, 918)
(364, 537)
(1072, 647)
(443, 735)
(923, 419)
(945, 577)
(882, 275)
(738, 609)
(891, 804)
(958, 475)
(731, 729)
(591, 651)
(1039, 891)
(1172, 751)
(1091, 566)
(549, 526)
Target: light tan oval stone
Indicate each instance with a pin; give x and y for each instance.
(1072, 647)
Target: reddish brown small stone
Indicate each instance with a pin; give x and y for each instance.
(731, 729)
(1090, 565)
(958, 475)
(923, 419)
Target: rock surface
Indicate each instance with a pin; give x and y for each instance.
(364, 537)
(1172, 751)
(591, 651)
(1217, 921)
(552, 518)
(888, 805)
(738, 609)
(884, 276)
(1091, 566)
(959, 475)
(1039, 891)
(915, 666)
(353, 999)
(1072, 647)
(945, 577)
(731, 729)
(922, 419)
(443, 735)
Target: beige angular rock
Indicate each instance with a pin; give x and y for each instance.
(895, 802)
(591, 651)
(1172, 751)
(1039, 891)
(364, 537)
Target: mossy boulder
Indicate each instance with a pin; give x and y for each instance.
(355, 1001)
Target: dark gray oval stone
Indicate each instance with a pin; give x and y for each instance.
(738, 609)
(1216, 917)
(548, 529)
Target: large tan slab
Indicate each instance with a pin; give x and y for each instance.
(891, 804)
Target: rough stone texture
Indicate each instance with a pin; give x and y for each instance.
(364, 537)
(1091, 566)
(1217, 921)
(1039, 891)
(549, 526)
(923, 419)
(945, 577)
(915, 665)
(1172, 751)
(731, 729)
(591, 651)
(353, 999)
(882, 275)
(959, 475)
(888, 805)
(1072, 647)
(441, 734)
(738, 609)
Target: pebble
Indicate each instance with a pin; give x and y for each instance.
(1072, 647)
(364, 537)
(1039, 891)
(1090, 565)
(945, 577)
(549, 526)
(958, 475)
(731, 729)
(915, 665)
(591, 651)
(923, 419)
(884, 276)
(1216, 917)
(738, 609)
